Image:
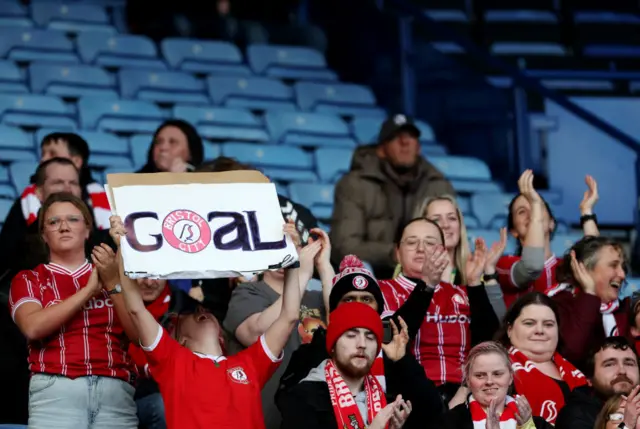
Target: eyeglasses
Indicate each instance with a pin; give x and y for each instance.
(54, 223)
(412, 243)
(615, 417)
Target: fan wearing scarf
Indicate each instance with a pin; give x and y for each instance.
(530, 332)
(488, 374)
(341, 392)
(590, 277)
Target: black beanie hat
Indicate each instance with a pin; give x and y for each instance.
(353, 276)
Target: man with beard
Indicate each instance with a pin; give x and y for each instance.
(613, 369)
(341, 392)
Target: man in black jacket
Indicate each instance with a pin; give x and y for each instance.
(342, 392)
(613, 369)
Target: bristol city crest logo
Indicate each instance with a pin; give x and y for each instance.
(238, 375)
(186, 230)
(360, 283)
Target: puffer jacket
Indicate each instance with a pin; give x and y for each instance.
(372, 203)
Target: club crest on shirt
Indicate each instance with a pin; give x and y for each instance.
(459, 299)
(360, 282)
(238, 375)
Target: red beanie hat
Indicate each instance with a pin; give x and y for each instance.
(353, 315)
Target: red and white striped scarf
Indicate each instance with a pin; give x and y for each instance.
(507, 418)
(607, 310)
(97, 201)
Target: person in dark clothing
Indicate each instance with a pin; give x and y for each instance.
(342, 390)
(356, 284)
(613, 370)
(488, 374)
(176, 148)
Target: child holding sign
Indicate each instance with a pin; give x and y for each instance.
(200, 387)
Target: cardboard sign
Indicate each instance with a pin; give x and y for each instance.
(199, 225)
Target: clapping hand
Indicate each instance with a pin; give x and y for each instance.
(524, 410)
(397, 348)
(434, 265)
(476, 261)
(590, 197)
(495, 252)
(395, 414)
(582, 276)
(117, 230)
(525, 185)
(104, 258)
(493, 420)
(324, 256)
(632, 408)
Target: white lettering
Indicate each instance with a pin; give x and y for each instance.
(96, 304)
(449, 318)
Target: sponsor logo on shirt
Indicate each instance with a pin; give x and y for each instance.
(97, 303)
(459, 299)
(451, 318)
(238, 375)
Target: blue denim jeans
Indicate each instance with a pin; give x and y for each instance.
(57, 402)
(151, 412)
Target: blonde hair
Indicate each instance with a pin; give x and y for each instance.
(610, 407)
(462, 249)
(481, 349)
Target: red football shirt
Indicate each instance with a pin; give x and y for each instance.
(443, 341)
(92, 342)
(202, 391)
(511, 291)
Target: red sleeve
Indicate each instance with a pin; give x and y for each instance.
(162, 353)
(579, 318)
(24, 288)
(504, 268)
(390, 301)
(260, 358)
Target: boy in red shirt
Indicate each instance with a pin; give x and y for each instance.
(200, 387)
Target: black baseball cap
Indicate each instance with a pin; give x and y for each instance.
(394, 124)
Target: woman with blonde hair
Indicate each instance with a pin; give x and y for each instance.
(616, 414)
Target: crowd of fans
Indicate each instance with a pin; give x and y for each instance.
(415, 329)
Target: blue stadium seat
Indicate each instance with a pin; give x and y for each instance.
(428, 150)
(15, 138)
(30, 110)
(99, 143)
(308, 129)
(255, 93)
(124, 116)
(11, 79)
(336, 98)
(21, 172)
(289, 62)
(333, 163)
(7, 191)
(279, 163)
(491, 209)
(31, 44)
(211, 151)
(466, 174)
(71, 17)
(560, 243)
(140, 145)
(204, 56)
(5, 207)
(71, 80)
(4, 174)
(116, 170)
(366, 130)
(110, 161)
(631, 285)
(316, 197)
(13, 155)
(491, 236)
(14, 14)
(118, 51)
(162, 86)
(219, 123)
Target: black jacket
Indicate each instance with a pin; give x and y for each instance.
(459, 417)
(308, 405)
(581, 409)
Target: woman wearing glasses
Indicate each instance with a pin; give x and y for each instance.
(73, 316)
(456, 316)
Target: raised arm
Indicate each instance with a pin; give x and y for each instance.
(278, 333)
(37, 323)
(492, 288)
(324, 267)
(587, 217)
(528, 269)
(145, 324)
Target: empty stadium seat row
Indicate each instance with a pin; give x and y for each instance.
(78, 80)
(190, 55)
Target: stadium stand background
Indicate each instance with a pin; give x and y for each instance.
(498, 86)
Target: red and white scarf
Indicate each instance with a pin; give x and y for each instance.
(377, 370)
(344, 404)
(608, 319)
(543, 392)
(507, 418)
(97, 201)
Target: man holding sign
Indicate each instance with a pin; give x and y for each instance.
(200, 387)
